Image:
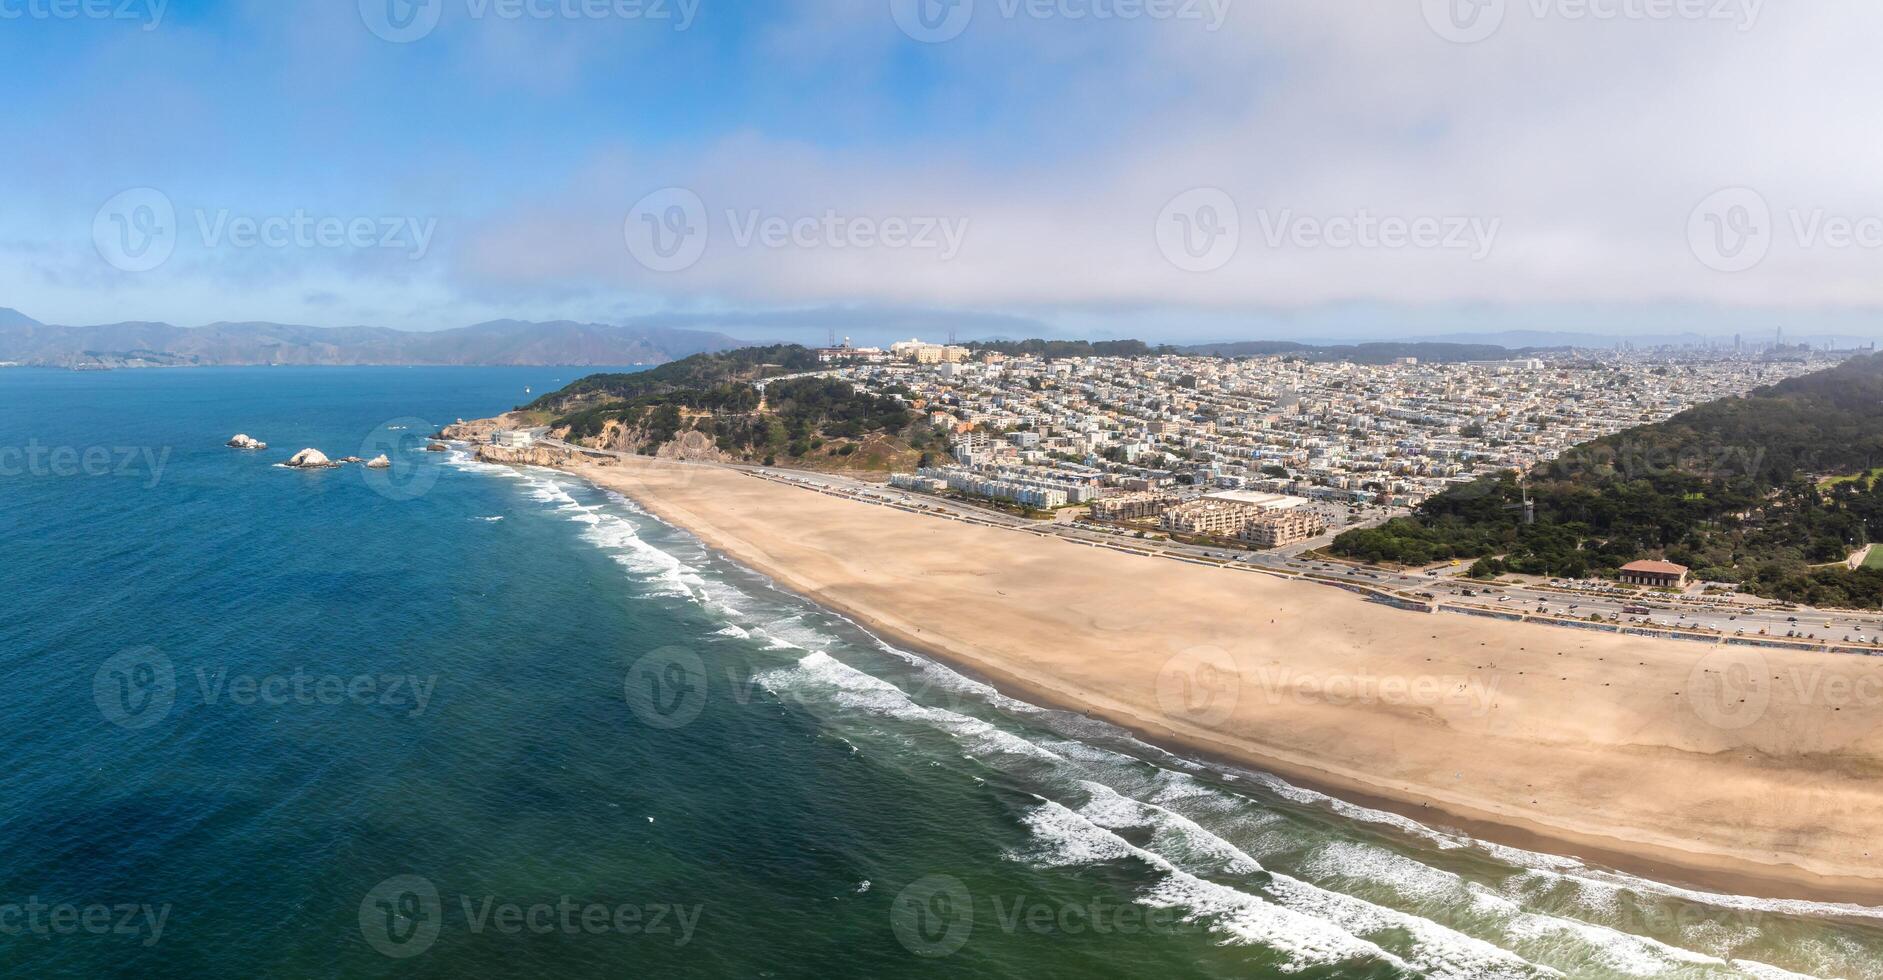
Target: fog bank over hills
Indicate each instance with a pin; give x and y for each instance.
(498, 342)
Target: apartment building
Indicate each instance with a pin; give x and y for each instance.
(1270, 528)
(1212, 517)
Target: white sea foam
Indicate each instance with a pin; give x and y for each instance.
(1063, 837)
(819, 673)
(1435, 950)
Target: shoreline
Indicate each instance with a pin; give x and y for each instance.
(1714, 866)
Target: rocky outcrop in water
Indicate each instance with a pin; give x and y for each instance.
(243, 441)
(311, 459)
(379, 462)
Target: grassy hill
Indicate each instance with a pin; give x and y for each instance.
(1756, 490)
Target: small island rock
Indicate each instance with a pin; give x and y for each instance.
(379, 462)
(310, 459)
(244, 441)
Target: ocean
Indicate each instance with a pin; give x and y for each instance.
(460, 720)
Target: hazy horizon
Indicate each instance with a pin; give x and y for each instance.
(1179, 172)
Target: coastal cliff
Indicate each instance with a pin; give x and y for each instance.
(529, 456)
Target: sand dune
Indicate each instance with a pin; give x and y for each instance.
(1737, 768)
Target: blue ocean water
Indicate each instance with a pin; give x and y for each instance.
(460, 720)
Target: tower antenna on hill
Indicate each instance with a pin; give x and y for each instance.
(1528, 506)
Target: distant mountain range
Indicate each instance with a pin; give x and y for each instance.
(499, 342)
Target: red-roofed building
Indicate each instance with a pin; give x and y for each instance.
(1660, 574)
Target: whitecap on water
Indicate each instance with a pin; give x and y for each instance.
(1064, 838)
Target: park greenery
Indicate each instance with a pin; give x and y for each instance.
(717, 395)
(1773, 490)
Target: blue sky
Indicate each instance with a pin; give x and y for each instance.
(1170, 169)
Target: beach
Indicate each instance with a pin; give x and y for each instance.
(1735, 769)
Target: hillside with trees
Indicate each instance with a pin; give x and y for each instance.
(715, 400)
(1772, 490)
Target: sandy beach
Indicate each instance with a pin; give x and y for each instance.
(1731, 768)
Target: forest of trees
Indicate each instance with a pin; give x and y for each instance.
(801, 414)
(701, 372)
(1734, 489)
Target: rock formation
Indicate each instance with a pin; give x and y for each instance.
(310, 459)
(525, 456)
(243, 441)
(379, 462)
